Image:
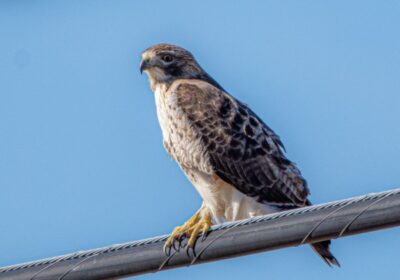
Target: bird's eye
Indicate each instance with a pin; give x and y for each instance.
(167, 58)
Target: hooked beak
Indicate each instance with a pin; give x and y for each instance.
(144, 64)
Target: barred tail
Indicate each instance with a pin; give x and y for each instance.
(322, 249)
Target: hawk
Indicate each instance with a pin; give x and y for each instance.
(232, 158)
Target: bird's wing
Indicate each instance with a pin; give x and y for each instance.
(241, 148)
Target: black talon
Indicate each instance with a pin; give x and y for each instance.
(182, 236)
(204, 235)
(184, 244)
(188, 248)
(167, 250)
(194, 252)
(174, 245)
(180, 239)
(188, 251)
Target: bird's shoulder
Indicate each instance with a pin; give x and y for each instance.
(193, 89)
(197, 99)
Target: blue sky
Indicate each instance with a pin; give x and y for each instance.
(81, 157)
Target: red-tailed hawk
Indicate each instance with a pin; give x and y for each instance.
(233, 159)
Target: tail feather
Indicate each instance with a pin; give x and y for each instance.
(322, 249)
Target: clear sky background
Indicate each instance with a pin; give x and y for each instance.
(81, 157)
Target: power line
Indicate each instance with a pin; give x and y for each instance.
(290, 228)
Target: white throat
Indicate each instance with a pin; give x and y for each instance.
(157, 78)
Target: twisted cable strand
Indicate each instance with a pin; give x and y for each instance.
(118, 247)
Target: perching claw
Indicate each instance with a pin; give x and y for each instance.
(190, 231)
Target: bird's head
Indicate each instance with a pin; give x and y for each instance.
(165, 63)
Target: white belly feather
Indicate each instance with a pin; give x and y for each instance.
(223, 200)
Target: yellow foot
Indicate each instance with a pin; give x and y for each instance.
(198, 224)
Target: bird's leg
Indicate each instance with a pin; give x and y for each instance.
(198, 223)
(202, 226)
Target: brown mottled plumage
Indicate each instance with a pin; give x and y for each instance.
(243, 151)
(234, 160)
